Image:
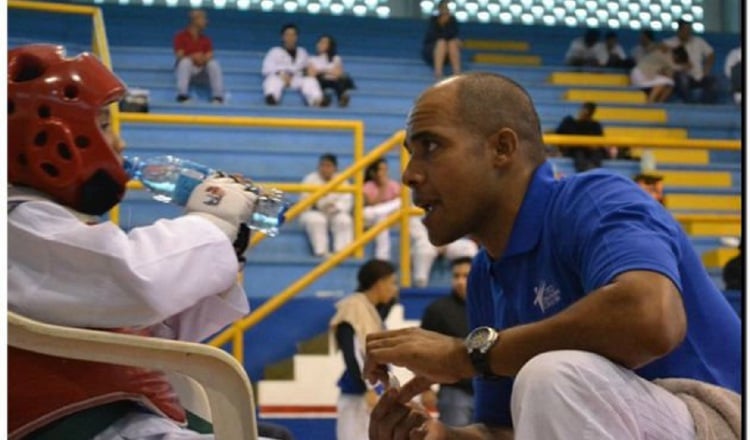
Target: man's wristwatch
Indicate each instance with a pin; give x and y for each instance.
(478, 345)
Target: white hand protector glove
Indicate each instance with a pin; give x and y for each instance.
(223, 201)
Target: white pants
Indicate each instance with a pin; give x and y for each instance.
(375, 213)
(146, 426)
(571, 394)
(186, 71)
(353, 418)
(317, 224)
(424, 253)
(309, 87)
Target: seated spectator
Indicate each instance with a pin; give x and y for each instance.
(653, 184)
(693, 62)
(441, 43)
(733, 71)
(612, 54)
(584, 158)
(425, 253)
(646, 40)
(328, 68)
(733, 272)
(584, 51)
(654, 69)
(174, 279)
(284, 67)
(331, 212)
(195, 60)
(382, 198)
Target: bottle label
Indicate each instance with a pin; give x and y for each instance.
(185, 184)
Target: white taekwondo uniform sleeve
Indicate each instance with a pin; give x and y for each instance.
(63, 271)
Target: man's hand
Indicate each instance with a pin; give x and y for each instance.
(198, 59)
(392, 420)
(434, 357)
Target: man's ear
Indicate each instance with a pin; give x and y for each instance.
(503, 146)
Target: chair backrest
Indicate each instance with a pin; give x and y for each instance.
(225, 382)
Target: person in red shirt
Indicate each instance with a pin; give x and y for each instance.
(195, 59)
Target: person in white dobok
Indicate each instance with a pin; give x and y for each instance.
(174, 279)
(425, 253)
(284, 67)
(332, 211)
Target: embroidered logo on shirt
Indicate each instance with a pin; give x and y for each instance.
(546, 296)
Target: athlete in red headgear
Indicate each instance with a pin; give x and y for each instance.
(173, 279)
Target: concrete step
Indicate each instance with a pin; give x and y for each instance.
(704, 202)
(589, 79)
(605, 96)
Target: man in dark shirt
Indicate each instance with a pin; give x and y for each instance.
(447, 315)
(584, 158)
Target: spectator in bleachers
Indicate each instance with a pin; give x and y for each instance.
(612, 54)
(646, 41)
(194, 59)
(694, 59)
(358, 315)
(382, 198)
(733, 71)
(733, 273)
(584, 158)
(425, 253)
(328, 67)
(285, 66)
(447, 315)
(586, 50)
(331, 212)
(175, 279)
(441, 44)
(653, 72)
(653, 184)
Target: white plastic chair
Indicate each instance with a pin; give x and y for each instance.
(226, 385)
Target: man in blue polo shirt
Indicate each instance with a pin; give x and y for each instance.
(585, 292)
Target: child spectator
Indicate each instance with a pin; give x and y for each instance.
(328, 68)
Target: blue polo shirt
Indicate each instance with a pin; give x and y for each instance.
(577, 234)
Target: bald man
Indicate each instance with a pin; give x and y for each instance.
(194, 59)
(585, 290)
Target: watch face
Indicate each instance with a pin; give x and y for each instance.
(477, 338)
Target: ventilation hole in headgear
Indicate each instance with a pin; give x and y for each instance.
(26, 68)
(11, 107)
(50, 169)
(82, 141)
(40, 139)
(22, 160)
(64, 151)
(44, 112)
(71, 92)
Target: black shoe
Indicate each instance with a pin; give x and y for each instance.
(217, 100)
(270, 100)
(344, 100)
(183, 98)
(326, 101)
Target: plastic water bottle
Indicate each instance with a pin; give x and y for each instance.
(171, 179)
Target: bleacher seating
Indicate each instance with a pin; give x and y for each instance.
(383, 58)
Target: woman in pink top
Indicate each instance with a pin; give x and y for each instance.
(381, 199)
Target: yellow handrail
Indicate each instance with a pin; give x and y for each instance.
(598, 141)
(355, 126)
(234, 332)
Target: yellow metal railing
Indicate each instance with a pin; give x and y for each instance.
(99, 43)
(355, 126)
(626, 141)
(235, 332)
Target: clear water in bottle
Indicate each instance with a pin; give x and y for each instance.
(171, 180)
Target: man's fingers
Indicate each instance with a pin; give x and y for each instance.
(386, 415)
(413, 388)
